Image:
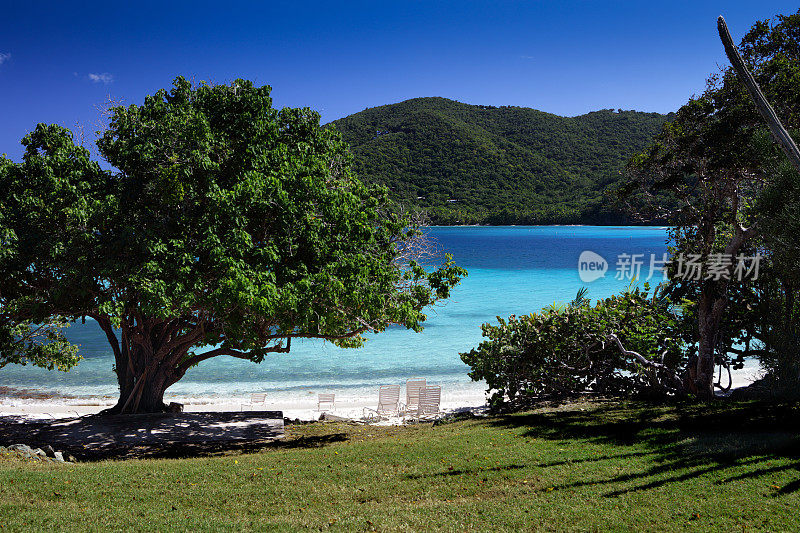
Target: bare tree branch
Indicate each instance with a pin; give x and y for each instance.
(779, 133)
(647, 363)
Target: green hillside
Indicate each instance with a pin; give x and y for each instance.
(469, 164)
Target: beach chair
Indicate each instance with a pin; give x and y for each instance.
(412, 394)
(258, 399)
(325, 402)
(388, 403)
(429, 400)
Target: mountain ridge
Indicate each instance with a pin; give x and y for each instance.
(468, 164)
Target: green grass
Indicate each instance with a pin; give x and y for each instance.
(585, 466)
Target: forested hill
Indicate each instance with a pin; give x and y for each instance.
(469, 164)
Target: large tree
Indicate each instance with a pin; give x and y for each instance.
(227, 227)
(714, 161)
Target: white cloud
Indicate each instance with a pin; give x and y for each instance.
(4, 57)
(105, 78)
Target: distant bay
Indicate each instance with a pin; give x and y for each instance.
(512, 270)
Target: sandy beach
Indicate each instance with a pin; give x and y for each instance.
(296, 405)
(301, 406)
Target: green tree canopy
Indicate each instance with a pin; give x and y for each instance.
(717, 163)
(42, 345)
(225, 224)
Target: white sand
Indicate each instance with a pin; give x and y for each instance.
(303, 408)
(294, 405)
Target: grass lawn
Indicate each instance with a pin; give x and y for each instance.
(583, 466)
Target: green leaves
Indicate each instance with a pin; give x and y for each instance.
(226, 222)
(42, 345)
(469, 164)
(567, 349)
(732, 193)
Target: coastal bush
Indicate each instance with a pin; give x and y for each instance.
(625, 344)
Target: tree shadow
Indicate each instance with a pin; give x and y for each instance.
(684, 440)
(461, 471)
(162, 435)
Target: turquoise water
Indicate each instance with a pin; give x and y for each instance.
(512, 270)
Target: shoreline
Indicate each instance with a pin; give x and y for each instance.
(298, 406)
(43, 405)
(546, 226)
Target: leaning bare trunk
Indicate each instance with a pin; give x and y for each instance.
(779, 133)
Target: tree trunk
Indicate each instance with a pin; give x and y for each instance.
(153, 355)
(143, 393)
(710, 311)
(148, 360)
(709, 315)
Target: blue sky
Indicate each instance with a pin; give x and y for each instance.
(59, 61)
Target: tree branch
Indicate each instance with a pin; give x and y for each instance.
(779, 133)
(647, 362)
(121, 363)
(198, 358)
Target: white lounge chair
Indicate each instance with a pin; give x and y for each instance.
(325, 401)
(388, 403)
(429, 400)
(258, 399)
(412, 394)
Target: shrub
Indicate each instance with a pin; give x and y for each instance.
(624, 344)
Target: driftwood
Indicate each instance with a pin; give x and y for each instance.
(779, 133)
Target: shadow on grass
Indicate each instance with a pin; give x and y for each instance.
(161, 435)
(461, 472)
(190, 450)
(683, 440)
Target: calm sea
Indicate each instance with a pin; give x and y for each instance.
(512, 270)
